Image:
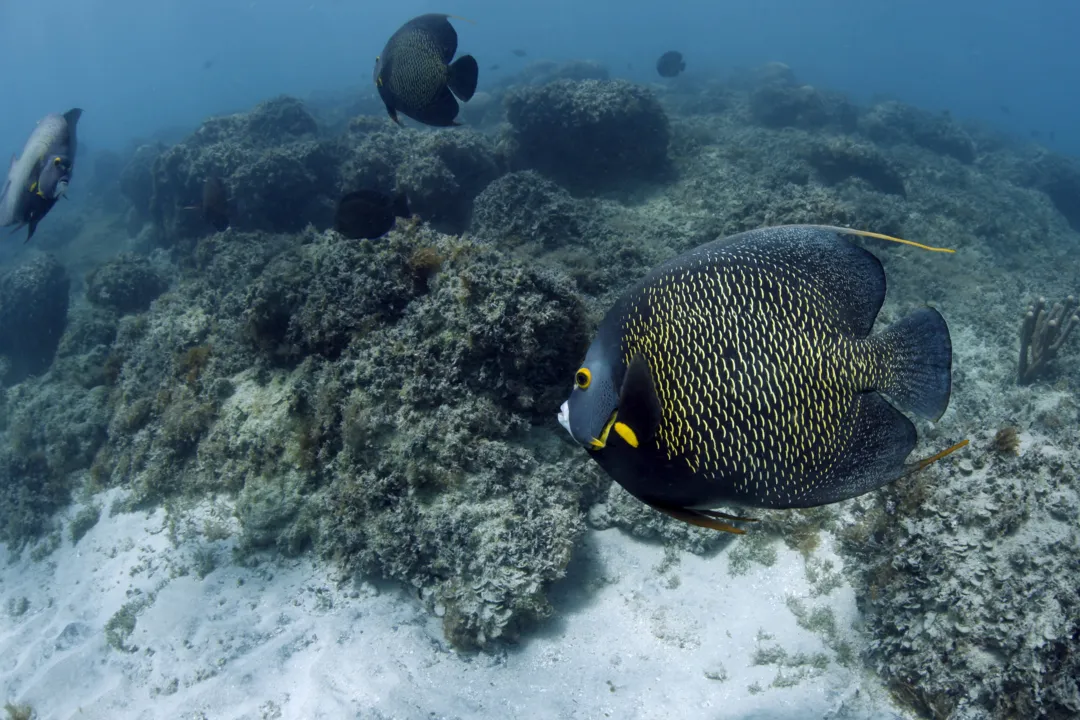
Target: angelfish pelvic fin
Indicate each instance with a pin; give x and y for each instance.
(710, 519)
(639, 411)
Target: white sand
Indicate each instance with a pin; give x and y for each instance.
(285, 639)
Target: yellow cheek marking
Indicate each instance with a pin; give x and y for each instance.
(602, 441)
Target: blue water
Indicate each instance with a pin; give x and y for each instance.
(139, 66)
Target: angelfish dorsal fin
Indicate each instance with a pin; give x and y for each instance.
(639, 407)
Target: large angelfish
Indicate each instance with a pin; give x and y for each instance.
(40, 176)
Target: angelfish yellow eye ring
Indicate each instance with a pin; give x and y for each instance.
(56, 161)
(582, 379)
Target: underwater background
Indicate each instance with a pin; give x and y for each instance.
(253, 466)
(145, 65)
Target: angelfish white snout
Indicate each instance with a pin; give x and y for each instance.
(564, 416)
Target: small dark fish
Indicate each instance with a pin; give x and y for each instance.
(215, 203)
(744, 371)
(369, 213)
(208, 64)
(415, 75)
(518, 53)
(670, 64)
(1005, 109)
(495, 67)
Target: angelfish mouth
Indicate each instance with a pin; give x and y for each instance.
(564, 417)
(593, 444)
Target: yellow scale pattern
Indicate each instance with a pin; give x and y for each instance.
(418, 59)
(754, 375)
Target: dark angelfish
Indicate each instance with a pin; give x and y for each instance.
(415, 76)
(369, 213)
(670, 64)
(744, 372)
(215, 203)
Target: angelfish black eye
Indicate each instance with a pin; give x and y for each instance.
(582, 378)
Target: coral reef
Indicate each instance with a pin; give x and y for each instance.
(137, 184)
(590, 135)
(126, 284)
(892, 122)
(380, 401)
(1043, 331)
(33, 314)
(965, 600)
(1059, 178)
(526, 206)
(837, 159)
(281, 172)
(780, 104)
(443, 173)
(278, 173)
(389, 404)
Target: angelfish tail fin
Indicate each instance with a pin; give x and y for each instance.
(464, 73)
(919, 354)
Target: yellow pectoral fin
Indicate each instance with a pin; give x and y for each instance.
(627, 434)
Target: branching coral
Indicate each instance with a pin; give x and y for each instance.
(1041, 335)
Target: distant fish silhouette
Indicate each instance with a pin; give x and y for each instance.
(1005, 109)
(519, 53)
(215, 203)
(670, 64)
(494, 67)
(208, 64)
(369, 213)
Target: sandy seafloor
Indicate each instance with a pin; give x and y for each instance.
(635, 635)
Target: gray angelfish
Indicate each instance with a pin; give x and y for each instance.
(40, 176)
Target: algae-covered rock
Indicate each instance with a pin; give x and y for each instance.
(442, 175)
(777, 105)
(441, 172)
(137, 178)
(526, 206)
(590, 135)
(892, 122)
(52, 430)
(837, 159)
(1059, 178)
(127, 284)
(387, 402)
(278, 174)
(970, 587)
(33, 314)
